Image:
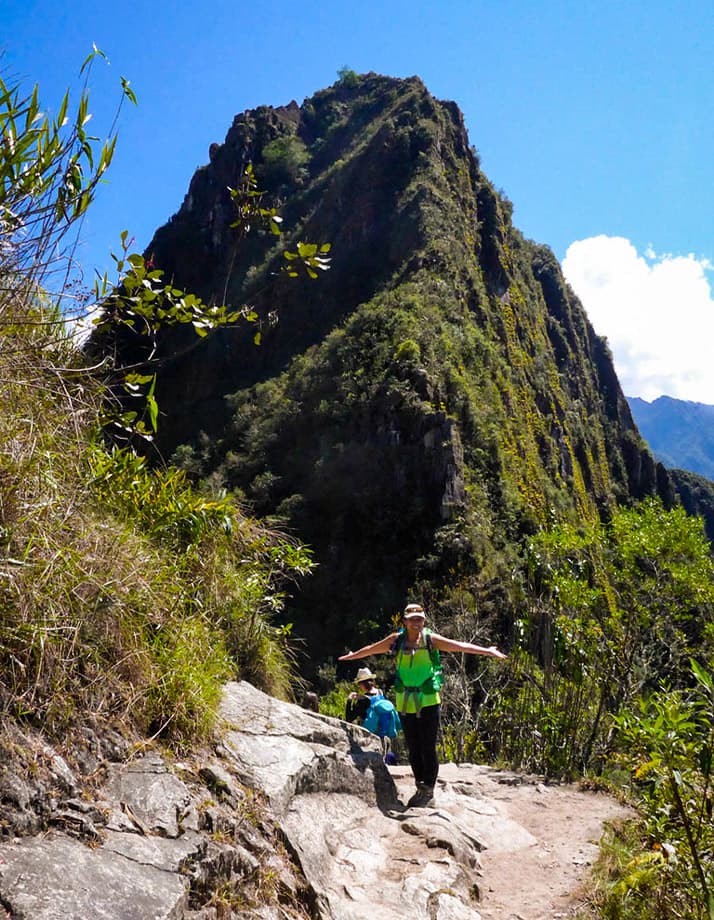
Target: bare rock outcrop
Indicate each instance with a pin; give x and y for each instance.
(294, 815)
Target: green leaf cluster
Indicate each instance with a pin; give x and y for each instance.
(668, 744)
(50, 167)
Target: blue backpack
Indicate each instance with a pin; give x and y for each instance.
(382, 718)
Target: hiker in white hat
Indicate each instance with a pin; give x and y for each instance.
(417, 682)
(358, 702)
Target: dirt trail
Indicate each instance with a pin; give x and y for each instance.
(540, 840)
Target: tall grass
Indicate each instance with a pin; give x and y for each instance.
(124, 593)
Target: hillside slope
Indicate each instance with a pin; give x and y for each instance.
(424, 406)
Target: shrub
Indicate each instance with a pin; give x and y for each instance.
(124, 592)
(347, 76)
(284, 159)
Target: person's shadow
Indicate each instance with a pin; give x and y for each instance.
(388, 800)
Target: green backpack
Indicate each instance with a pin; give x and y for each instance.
(433, 683)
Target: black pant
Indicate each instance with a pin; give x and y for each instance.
(420, 735)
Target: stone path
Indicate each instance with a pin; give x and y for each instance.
(159, 838)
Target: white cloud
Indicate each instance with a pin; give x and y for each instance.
(656, 312)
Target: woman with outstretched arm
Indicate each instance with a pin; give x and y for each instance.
(417, 686)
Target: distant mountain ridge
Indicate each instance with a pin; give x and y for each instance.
(680, 433)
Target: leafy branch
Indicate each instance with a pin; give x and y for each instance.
(143, 305)
(50, 168)
(670, 739)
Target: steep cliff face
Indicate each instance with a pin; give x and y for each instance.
(696, 495)
(427, 403)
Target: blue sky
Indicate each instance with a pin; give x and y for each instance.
(596, 119)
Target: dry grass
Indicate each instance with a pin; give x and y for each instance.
(105, 608)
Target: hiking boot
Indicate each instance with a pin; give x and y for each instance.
(422, 798)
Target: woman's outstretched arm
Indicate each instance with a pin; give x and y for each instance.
(452, 645)
(376, 648)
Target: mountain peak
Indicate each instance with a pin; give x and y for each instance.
(438, 394)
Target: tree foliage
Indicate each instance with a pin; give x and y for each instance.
(50, 167)
(347, 76)
(615, 609)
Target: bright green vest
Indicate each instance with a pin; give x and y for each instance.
(413, 670)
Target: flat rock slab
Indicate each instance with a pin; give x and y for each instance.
(58, 878)
(362, 862)
(152, 799)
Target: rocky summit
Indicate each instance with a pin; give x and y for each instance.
(418, 410)
(291, 814)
